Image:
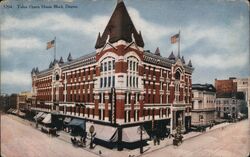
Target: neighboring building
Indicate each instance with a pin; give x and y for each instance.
(149, 89)
(243, 85)
(230, 94)
(226, 86)
(203, 109)
(13, 101)
(4, 102)
(24, 100)
(227, 104)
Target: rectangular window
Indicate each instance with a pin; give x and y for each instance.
(127, 81)
(137, 82)
(101, 82)
(109, 81)
(130, 64)
(113, 64)
(105, 66)
(133, 81)
(101, 67)
(100, 97)
(113, 83)
(125, 100)
(129, 98)
(105, 81)
(109, 65)
(133, 66)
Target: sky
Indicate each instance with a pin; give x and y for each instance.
(214, 34)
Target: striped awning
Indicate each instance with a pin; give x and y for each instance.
(104, 132)
(47, 119)
(38, 115)
(132, 134)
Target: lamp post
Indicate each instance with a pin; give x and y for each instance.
(91, 130)
(141, 131)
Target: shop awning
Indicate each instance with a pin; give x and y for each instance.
(43, 115)
(132, 134)
(15, 111)
(78, 122)
(47, 119)
(67, 120)
(104, 132)
(22, 114)
(10, 110)
(38, 115)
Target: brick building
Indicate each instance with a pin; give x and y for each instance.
(149, 89)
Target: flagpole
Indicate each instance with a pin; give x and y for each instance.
(55, 49)
(179, 43)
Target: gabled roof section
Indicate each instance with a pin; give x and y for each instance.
(120, 27)
(203, 87)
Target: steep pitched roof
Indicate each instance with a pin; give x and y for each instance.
(120, 26)
(157, 52)
(172, 56)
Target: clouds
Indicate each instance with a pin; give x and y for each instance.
(15, 78)
(20, 45)
(57, 22)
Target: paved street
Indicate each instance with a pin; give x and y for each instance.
(230, 141)
(20, 139)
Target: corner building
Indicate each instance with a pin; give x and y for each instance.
(149, 89)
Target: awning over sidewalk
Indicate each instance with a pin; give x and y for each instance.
(10, 110)
(43, 115)
(67, 120)
(47, 119)
(14, 111)
(22, 114)
(78, 122)
(38, 115)
(104, 132)
(132, 134)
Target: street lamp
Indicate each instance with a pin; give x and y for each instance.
(91, 130)
(141, 131)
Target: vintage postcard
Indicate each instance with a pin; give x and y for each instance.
(125, 78)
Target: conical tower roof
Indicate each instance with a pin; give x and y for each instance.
(190, 63)
(171, 56)
(69, 57)
(120, 27)
(157, 52)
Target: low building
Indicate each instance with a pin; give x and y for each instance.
(231, 95)
(243, 85)
(228, 105)
(4, 102)
(203, 104)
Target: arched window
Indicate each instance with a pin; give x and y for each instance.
(57, 77)
(177, 75)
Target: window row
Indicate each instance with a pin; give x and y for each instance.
(107, 66)
(132, 81)
(107, 82)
